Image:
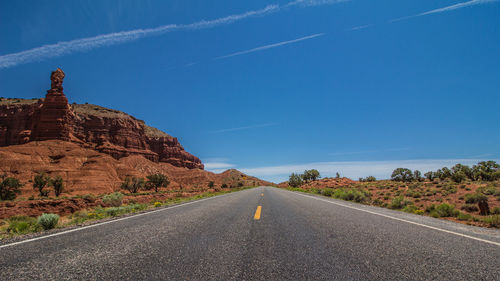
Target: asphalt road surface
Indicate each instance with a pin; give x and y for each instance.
(291, 236)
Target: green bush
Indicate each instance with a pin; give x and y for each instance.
(495, 211)
(57, 184)
(159, 180)
(493, 220)
(368, 179)
(9, 188)
(487, 190)
(79, 217)
(295, 180)
(48, 221)
(446, 210)
(327, 192)
(133, 185)
(464, 217)
(113, 199)
(22, 225)
(410, 208)
(316, 190)
(350, 194)
(40, 182)
(157, 204)
(475, 198)
(402, 174)
(399, 203)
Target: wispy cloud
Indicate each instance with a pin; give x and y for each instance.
(448, 8)
(89, 43)
(354, 169)
(368, 151)
(270, 46)
(245, 128)
(309, 3)
(217, 165)
(360, 27)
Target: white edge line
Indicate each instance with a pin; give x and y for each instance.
(399, 219)
(110, 221)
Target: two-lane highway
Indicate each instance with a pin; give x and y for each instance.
(263, 233)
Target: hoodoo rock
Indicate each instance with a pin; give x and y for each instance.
(54, 117)
(105, 130)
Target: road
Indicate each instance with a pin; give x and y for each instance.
(291, 236)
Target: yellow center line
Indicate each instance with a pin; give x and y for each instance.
(257, 213)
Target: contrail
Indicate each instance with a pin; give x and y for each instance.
(270, 46)
(448, 8)
(89, 43)
(245, 128)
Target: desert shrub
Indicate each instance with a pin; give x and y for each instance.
(487, 190)
(40, 182)
(458, 177)
(402, 174)
(79, 217)
(368, 179)
(464, 217)
(297, 189)
(9, 188)
(22, 225)
(295, 180)
(495, 211)
(211, 184)
(410, 208)
(475, 198)
(133, 184)
(156, 181)
(48, 221)
(114, 199)
(446, 210)
(57, 184)
(430, 208)
(471, 208)
(450, 189)
(399, 202)
(157, 204)
(310, 175)
(113, 211)
(378, 202)
(493, 220)
(355, 195)
(116, 211)
(316, 190)
(327, 192)
(414, 194)
(223, 185)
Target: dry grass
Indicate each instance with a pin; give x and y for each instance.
(153, 132)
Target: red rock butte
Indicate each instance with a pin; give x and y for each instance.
(105, 130)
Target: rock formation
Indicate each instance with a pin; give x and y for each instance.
(54, 118)
(105, 130)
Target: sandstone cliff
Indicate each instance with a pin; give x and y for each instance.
(109, 131)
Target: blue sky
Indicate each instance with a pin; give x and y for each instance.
(274, 87)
